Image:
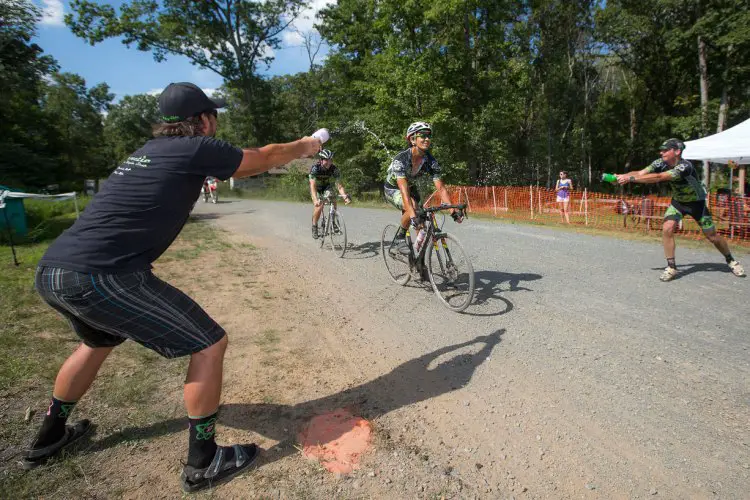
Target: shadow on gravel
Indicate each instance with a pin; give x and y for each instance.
(367, 250)
(704, 267)
(438, 372)
(489, 285)
(213, 216)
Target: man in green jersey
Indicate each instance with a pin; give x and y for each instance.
(688, 198)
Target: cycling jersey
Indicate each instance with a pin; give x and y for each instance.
(685, 184)
(322, 176)
(401, 168)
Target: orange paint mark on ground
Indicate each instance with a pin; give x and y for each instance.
(337, 440)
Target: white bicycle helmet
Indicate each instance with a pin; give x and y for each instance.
(326, 154)
(417, 127)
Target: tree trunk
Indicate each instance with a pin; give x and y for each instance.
(724, 107)
(633, 130)
(703, 66)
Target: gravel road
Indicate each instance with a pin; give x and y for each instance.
(576, 372)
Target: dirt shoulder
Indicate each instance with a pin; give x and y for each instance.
(284, 366)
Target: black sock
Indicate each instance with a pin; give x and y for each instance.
(202, 445)
(670, 263)
(53, 427)
(729, 257)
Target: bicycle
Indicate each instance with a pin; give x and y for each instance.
(332, 226)
(210, 190)
(447, 266)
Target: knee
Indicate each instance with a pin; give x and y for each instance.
(217, 350)
(668, 230)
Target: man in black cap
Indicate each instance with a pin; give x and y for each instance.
(98, 275)
(688, 198)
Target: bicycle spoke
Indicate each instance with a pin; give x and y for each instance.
(451, 273)
(395, 255)
(338, 234)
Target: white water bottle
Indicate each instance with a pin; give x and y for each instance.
(420, 239)
(322, 134)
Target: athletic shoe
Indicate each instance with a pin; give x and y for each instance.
(315, 231)
(668, 274)
(737, 269)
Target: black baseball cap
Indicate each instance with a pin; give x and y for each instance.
(672, 144)
(180, 101)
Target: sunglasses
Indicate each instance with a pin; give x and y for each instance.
(423, 136)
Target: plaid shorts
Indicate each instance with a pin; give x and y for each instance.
(106, 309)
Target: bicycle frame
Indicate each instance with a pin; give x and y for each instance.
(328, 200)
(431, 237)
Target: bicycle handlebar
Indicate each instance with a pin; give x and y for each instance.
(443, 206)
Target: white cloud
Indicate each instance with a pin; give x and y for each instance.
(53, 12)
(305, 21)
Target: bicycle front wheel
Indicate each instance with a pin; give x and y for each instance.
(338, 234)
(451, 273)
(395, 255)
(322, 230)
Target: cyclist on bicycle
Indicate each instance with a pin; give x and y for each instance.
(406, 167)
(320, 176)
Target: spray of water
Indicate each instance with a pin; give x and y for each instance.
(359, 126)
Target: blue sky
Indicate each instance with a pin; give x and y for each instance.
(130, 71)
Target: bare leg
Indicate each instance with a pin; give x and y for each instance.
(202, 391)
(79, 371)
(405, 220)
(719, 242)
(667, 237)
(566, 210)
(316, 214)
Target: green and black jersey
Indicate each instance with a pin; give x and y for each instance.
(322, 176)
(686, 186)
(400, 168)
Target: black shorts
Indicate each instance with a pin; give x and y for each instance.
(695, 209)
(106, 309)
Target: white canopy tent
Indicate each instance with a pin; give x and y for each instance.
(6, 194)
(732, 144)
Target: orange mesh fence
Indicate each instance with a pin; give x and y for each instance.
(599, 210)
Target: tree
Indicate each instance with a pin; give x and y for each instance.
(76, 114)
(129, 124)
(25, 155)
(229, 37)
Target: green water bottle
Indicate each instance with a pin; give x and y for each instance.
(609, 178)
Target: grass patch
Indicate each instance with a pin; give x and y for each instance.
(129, 393)
(268, 340)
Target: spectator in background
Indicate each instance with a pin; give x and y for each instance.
(563, 188)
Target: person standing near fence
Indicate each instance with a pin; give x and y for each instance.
(563, 188)
(688, 198)
(97, 274)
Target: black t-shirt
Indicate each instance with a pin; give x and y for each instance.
(143, 206)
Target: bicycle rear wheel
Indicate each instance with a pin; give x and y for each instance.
(395, 255)
(451, 273)
(338, 234)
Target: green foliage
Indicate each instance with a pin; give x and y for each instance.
(515, 90)
(129, 124)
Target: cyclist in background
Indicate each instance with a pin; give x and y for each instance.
(320, 176)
